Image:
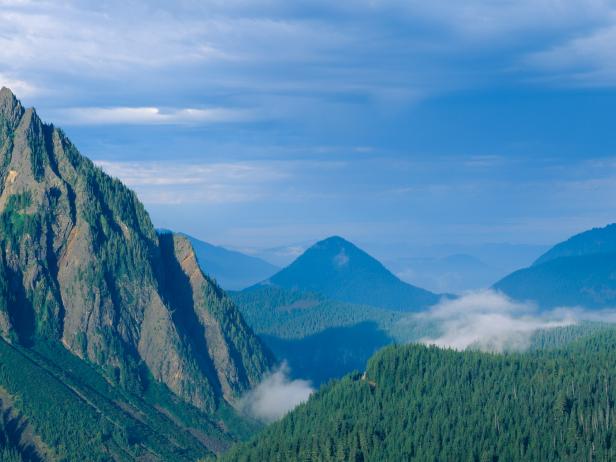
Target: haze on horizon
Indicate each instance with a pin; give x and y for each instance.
(414, 129)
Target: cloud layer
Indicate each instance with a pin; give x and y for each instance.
(388, 50)
(491, 321)
(275, 396)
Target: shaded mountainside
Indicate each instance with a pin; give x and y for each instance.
(580, 271)
(424, 403)
(232, 270)
(341, 271)
(320, 338)
(82, 265)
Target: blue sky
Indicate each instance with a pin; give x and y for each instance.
(402, 125)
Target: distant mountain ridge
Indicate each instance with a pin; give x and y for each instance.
(340, 270)
(580, 271)
(594, 241)
(231, 269)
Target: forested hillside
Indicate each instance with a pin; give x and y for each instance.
(320, 338)
(57, 407)
(424, 403)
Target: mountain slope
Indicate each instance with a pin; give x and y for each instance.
(425, 404)
(580, 271)
(82, 265)
(44, 388)
(594, 241)
(232, 270)
(341, 271)
(319, 338)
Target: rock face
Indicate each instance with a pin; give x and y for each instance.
(81, 263)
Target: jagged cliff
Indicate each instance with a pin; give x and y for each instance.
(81, 263)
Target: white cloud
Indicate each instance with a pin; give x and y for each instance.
(491, 321)
(147, 115)
(275, 396)
(22, 88)
(244, 48)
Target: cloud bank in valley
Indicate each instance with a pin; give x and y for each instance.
(275, 396)
(491, 321)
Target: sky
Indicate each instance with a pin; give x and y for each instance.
(403, 126)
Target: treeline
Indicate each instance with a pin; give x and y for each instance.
(418, 403)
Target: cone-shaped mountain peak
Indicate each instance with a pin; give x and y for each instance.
(82, 265)
(338, 269)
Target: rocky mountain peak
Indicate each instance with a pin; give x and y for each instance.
(81, 264)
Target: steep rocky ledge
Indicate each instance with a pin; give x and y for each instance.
(81, 263)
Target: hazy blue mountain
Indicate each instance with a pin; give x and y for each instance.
(341, 271)
(232, 270)
(580, 271)
(594, 241)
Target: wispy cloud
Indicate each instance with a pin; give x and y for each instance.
(491, 321)
(202, 183)
(389, 51)
(586, 60)
(275, 396)
(148, 116)
(18, 86)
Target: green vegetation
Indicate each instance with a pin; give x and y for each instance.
(318, 337)
(428, 404)
(321, 338)
(294, 313)
(9, 451)
(102, 420)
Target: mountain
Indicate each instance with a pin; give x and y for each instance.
(232, 270)
(424, 403)
(592, 242)
(83, 269)
(578, 272)
(341, 271)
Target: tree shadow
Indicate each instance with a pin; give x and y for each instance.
(179, 294)
(21, 311)
(15, 427)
